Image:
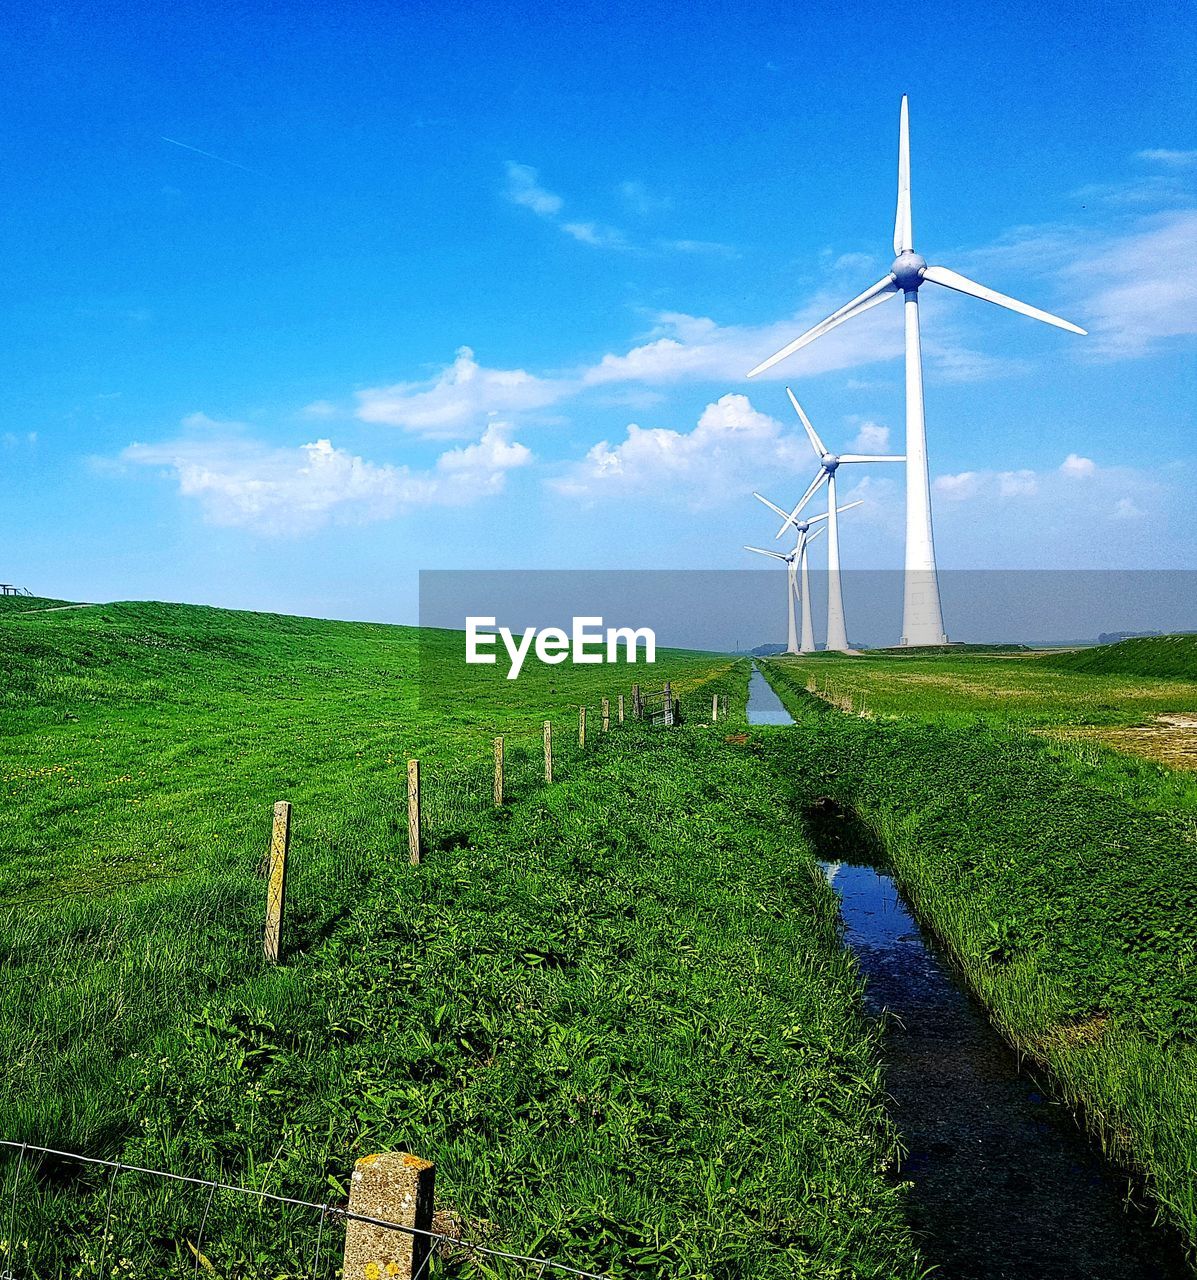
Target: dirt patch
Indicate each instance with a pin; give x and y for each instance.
(1171, 739)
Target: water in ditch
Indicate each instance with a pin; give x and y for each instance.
(1005, 1186)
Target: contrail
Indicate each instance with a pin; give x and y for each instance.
(188, 147)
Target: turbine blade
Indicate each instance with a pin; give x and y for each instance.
(812, 536)
(760, 497)
(760, 552)
(858, 503)
(815, 485)
(870, 298)
(811, 434)
(872, 457)
(962, 284)
(816, 519)
(903, 234)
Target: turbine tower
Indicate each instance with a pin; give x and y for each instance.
(829, 464)
(922, 616)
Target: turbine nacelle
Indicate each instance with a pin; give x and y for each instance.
(908, 269)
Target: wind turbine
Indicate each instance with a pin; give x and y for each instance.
(798, 566)
(922, 616)
(829, 464)
(795, 562)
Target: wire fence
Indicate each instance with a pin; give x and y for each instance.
(189, 1226)
(95, 979)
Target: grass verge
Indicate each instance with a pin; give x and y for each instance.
(1071, 911)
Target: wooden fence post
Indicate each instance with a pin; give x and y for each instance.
(499, 772)
(413, 811)
(637, 702)
(606, 714)
(668, 704)
(714, 707)
(548, 751)
(394, 1187)
(276, 884)
(581, 726)
(621, 708)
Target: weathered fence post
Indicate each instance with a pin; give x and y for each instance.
(714, 707)
(413, 811)
(668, 704)
(637, 702)
(606, 714)
(581, 726)
(394, 1187)
(621, 708)
(276, 884)
(499, 772)
(548, 751)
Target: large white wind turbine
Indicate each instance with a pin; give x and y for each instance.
(829, 464)
(922, 619)
(795, 563)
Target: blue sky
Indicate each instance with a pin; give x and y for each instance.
(462, 286)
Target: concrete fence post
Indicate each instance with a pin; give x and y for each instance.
(714, 707)
(581, 726)
(276, 883)
(394, 1187)
(620, 708)
(499, 772)
(413, 811)
(548, 751)
(606, 714)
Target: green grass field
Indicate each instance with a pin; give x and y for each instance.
(1065, 889)
(616, 1013)
(1126, 712)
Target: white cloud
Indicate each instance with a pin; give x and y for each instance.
(724, 455)
(712, 248)
(957, 488)
(593, 233)
(1173, 159)
(489, 457)
(278, 491)
(1151, 296)
(643, 201)
(524, 189)
(320, 409)
(457, 400)
(691, 348)
(1131, 287)
(872, 437)
(1017, 484)
(1075, 465)
(1042, 519)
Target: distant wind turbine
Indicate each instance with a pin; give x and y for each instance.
(922, 617)
(797, 562)
(829, 464)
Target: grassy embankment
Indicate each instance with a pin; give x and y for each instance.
(1067, 891)
(615, 1013)
(1125, 715)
